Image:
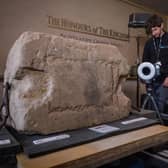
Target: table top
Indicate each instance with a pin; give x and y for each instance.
(99, 152)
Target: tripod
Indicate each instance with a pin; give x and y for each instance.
(150, 97)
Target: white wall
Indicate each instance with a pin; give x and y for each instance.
(17, 16)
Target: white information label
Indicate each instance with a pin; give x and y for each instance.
(50, 139)
(104, 128)
(5, 141)
(133, 120)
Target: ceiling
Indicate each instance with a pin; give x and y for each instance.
(160, 6)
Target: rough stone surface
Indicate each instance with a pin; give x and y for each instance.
(61, 84)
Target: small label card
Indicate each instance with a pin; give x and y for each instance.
(133, 120)
(104, 128)
(5, 141)
(50, 139)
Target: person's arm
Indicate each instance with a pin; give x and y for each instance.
(164, 67)
(165, 83)
(164, 71)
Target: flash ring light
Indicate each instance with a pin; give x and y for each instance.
(146, 71)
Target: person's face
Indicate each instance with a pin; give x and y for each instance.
(156, 31)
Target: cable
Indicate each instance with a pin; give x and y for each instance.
(4, 108)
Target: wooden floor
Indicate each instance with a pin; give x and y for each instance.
(97, 153)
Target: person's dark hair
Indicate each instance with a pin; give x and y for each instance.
(153, 21)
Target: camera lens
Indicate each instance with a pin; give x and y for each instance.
(146, 71)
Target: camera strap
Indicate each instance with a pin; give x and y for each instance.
(157, 47)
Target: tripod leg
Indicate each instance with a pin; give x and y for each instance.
(157, 109)
(145, 101)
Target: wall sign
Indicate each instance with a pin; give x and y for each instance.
(65, 24)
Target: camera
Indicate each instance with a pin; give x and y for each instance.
(148, 72)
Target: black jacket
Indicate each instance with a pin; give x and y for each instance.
(151, 51)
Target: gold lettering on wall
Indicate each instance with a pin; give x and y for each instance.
(65, 24)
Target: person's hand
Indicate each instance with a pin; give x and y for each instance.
(165, 83)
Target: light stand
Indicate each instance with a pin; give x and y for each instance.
(137, 20)
(137, 78)
(137, 64)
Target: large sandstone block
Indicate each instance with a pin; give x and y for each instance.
(61, 84)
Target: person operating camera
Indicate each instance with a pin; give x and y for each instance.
(156, 52)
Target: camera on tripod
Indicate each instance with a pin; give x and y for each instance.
(148, 72)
